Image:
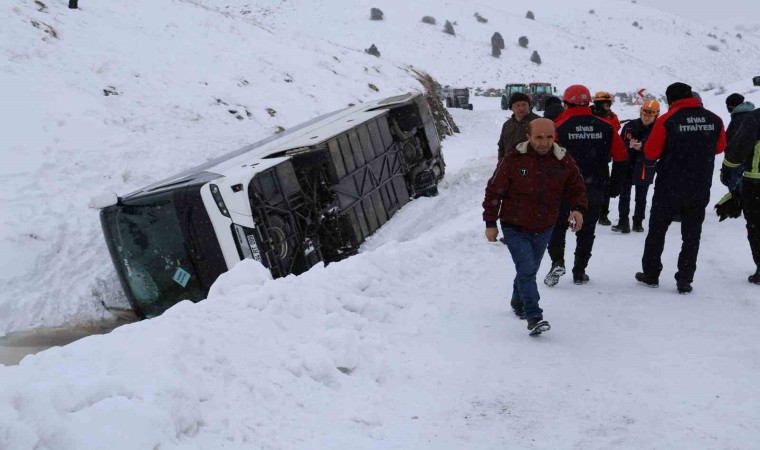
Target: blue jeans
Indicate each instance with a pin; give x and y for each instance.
(527, 250)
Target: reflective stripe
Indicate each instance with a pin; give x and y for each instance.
(728, 163)
(753, 172)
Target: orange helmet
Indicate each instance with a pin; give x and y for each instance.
(603, 96)
(650, 108)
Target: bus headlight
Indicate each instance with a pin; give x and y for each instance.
(217, 195)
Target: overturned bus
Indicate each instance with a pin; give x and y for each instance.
(312, 193)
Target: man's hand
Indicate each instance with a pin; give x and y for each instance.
(576, 221)
(492, 234)
(635, 144)
(725, 174)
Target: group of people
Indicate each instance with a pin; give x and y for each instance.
(553, 175)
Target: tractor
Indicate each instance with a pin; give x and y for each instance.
(539, 92)
(510, 89)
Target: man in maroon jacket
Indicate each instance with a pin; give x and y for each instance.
(525, 193)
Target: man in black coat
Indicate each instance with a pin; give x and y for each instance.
(637, 171)
(684, 142)
(745, 148)
(738, 108)
(591, 141)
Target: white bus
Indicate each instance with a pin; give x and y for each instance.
(309, 194)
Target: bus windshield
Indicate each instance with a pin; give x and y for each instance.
(150, 251)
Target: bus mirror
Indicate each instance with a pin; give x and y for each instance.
(104, 200)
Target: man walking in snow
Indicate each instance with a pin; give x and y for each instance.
(684, 142)
(525, 193)
(515, 128)
(591, 141)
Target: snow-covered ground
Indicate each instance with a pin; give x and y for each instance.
(411, 343)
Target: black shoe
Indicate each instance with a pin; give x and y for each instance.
(517, 308)
(557, 270)
(649, 281)
(622, 227)
(537, 325)
(603, 220)
(637, 227)
(755, 277)
(683, 287)
(580, 277)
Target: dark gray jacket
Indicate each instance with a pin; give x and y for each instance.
(514, 132)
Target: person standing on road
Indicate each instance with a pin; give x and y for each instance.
(591, 141)
(638, 171)
(515, 128)
(524, 194)
(684, 142)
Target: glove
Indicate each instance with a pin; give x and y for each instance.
(730, 206)
(618, 172)
(725, 174)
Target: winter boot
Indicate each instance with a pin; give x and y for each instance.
(537, 325)
(755, 277)
(580, 277)
(603, 220)
(637, 226)
(557, 270)
(649, 281)
(622, 227)
(684, 287)
(517, 308)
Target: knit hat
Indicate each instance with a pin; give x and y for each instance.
(734, 99)
(518, 97)
(678, 91)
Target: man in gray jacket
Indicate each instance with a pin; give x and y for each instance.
(515, 129)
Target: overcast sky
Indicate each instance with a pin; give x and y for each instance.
(721, 12)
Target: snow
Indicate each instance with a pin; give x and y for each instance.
(409, 344)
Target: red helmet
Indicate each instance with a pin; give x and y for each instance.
(577, 94)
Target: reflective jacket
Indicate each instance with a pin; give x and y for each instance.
(745, 147)
(526, 189)
(684, 141)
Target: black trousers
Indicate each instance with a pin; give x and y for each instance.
(604, 209)
(624, 203)
(584, 238)
(751, 209)
(665, 204)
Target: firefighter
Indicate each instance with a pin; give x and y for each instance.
(591, 141)
(638, 171)
(603, 108)
(684, 142)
